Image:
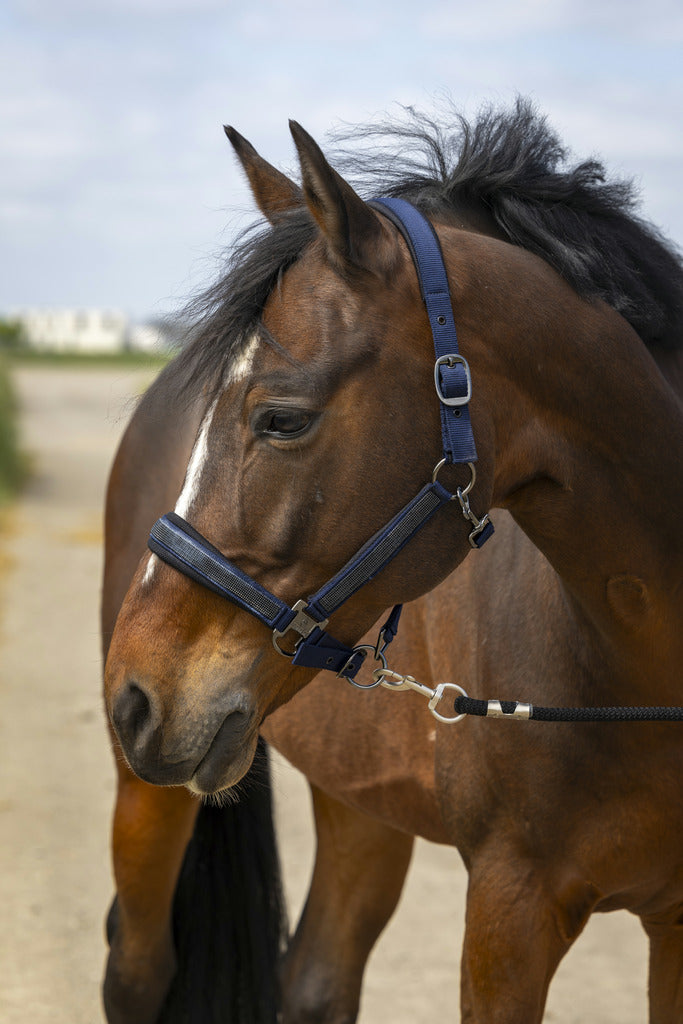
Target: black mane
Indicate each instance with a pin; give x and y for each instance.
(508, 164)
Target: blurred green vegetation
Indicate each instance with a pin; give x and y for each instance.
(11, 338)
(12, 464)
(15, 352)
(141, 360)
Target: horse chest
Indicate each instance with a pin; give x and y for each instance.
(374, 751)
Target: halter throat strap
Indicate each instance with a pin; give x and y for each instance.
(177, 543)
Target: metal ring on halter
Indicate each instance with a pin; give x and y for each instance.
(436, 698)
(463, 490)
(378, 656)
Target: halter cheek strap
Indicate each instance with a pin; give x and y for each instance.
(452, 377)
(180, 545)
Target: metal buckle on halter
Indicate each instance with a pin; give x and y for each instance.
(451, 360)
(302, 623)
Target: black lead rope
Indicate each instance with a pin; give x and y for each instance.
(527, 712)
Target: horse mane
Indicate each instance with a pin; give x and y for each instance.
(508, 165)
(512, 165)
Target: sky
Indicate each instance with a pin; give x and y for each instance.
(119, 190)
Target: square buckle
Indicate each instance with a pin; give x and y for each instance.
(451, 360)
(302, 623)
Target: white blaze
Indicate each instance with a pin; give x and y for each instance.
(238, 370)
(149, 571)
(196, 465)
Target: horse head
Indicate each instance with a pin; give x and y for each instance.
(319, 426)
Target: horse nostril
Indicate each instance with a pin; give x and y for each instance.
(131, 713)
(139, 707)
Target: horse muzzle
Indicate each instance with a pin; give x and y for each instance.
(208, 749)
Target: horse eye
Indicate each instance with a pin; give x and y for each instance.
(288, 422)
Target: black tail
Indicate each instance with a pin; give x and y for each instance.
(229, 918)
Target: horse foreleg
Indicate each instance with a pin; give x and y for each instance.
(666, 972)
(358, 876)
(152, 827)
(518, 928)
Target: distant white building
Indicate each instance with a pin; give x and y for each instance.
(96, 331)
(151, 338)
(75, 330)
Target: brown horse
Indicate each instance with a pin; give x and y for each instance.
(301, 418)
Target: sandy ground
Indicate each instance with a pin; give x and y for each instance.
(56, 776)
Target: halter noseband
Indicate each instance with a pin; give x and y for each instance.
(181, 546)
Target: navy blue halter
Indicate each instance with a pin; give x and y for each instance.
(180, 545)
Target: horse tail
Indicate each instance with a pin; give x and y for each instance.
(229, 917)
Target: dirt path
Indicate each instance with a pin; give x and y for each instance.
(56, 778)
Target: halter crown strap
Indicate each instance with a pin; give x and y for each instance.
(181, 546)
(451, 371)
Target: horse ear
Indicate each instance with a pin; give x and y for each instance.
(352, 229)
(274, 193)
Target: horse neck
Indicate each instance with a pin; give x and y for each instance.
(590, 469)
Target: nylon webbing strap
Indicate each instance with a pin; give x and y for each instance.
(379, 550)
(452, 372)
(183, 547)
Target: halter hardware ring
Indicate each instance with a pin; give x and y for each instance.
(378, 656)
(462, 490)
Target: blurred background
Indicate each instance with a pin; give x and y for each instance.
(118, 187)
(118, 194)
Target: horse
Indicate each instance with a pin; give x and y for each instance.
(301, 417)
